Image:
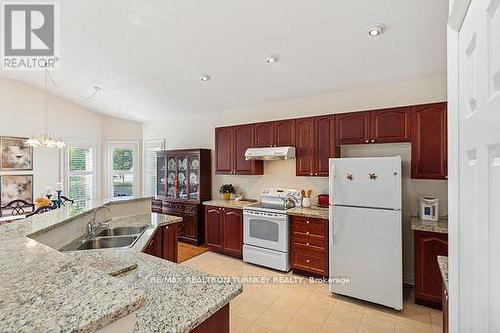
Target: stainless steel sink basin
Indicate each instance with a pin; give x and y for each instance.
(107, 242)
(121, 231)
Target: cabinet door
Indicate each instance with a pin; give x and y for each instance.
(190, 222)
(233, 231)
(155, 246)
(428, 152)
(223, 150)
(285, 133)
(243, 139)
(428, 280)
(324, 144)
(170, 251)
(161, 176)
(390, 125)
(264, 134)
(213, 227)
(353, 128)
(304, 145)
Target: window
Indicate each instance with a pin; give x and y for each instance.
(80, 175)
(122, 166)
(150, 149)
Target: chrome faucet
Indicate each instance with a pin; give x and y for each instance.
(93, 224)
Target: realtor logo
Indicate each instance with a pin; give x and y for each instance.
(29, 36)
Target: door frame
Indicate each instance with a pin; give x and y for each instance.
(458, 10)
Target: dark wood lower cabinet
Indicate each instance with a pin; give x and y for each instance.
(224, 230)
(428, 281)
(170, 234)
(191, 229)
(309, 246)
(217, 323)
(163, 243)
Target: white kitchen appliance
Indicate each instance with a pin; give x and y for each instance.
(429, 208)
(270, 153)
(266, 229)
(365, 229)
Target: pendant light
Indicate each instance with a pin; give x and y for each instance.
(46, 140)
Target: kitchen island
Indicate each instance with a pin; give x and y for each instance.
(44, 289)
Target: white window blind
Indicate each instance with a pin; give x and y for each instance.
(122, 164)
(150, 149)
(80, 175)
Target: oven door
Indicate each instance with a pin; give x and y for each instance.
(266, 230)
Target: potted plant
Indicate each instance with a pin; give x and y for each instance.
(226, 191)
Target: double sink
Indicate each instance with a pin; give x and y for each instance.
(107, 238)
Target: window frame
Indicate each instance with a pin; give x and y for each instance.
(136, 184)
(157, 143)
(67, 173)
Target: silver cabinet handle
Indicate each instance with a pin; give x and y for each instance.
(366, 141)
(307, 260)
(307, 222)
(307, 244)
(373, 140)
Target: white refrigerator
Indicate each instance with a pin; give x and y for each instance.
(365, 229)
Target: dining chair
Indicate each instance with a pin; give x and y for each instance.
(18, 207)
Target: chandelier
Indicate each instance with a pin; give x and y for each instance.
(46, 140)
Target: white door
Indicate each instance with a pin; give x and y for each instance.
(475, 291)
(366, 182)
(365, 247)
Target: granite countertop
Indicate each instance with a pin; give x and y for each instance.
(443, 267)
(229, 203)
(178, 297)
(313, 212)
(441, 226)
(87, 290)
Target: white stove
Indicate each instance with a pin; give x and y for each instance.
(266, 230)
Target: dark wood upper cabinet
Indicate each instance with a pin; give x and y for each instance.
(244, 138)
(233, 231)
(428, 281)
(224, 150)
(264, 134)
(353, 128)
(213, 227)
(324, 127)
(285, 133)
(390, 125)
(429, 140)
(304, 146)
(230, 146)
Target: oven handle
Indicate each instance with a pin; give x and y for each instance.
(252, 213)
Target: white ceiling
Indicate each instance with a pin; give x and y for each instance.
(147, 55)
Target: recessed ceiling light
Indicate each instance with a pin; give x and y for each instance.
(272, 59)
(204, 77)
(375, 30)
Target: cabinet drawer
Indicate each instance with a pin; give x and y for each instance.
(190, 209)
(309, 262)
(312, 242)
(309, 226)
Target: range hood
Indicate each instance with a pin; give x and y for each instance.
(271, 153)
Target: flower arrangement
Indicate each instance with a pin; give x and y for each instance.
(226, 191)
(42, 202)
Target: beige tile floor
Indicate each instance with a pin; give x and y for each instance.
(309, 307)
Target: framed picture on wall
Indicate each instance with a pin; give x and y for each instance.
(13, 187)
(15, 154)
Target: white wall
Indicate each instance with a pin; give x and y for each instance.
(197, 131)
(21, 114)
